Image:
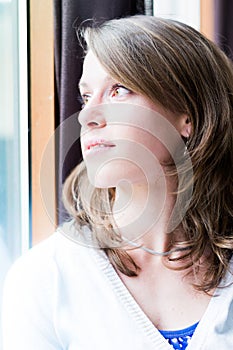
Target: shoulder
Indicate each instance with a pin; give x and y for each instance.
(41, 265)
(32, 290)
(41, 279)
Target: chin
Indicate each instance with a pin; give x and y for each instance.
(104, 178)
(115, 174)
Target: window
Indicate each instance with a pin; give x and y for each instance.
(14, 188)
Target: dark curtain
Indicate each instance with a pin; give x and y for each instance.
(68, 69)
(223, 25)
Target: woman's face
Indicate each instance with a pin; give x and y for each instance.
(124, 135)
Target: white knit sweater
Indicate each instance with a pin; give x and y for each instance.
(65, 296)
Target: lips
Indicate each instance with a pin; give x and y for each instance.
(99, 144)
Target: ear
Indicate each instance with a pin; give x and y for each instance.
(185, 126)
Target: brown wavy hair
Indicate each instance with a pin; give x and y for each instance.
(177, 67)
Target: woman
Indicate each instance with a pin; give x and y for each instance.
(151, 203)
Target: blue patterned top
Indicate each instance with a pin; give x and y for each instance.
(181, 338)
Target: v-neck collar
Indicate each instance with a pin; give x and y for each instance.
(138, 315)
(146, 326)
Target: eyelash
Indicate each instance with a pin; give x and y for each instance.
(117, 86)
(81, 98)
(81, 101)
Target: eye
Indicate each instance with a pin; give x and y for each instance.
(118, 91)
(84, 99)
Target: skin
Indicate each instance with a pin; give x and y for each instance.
(144, 199)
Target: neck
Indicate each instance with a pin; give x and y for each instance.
(142, 212)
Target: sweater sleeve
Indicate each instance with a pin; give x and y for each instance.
(28, 305)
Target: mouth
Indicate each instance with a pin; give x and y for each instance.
(98, 145)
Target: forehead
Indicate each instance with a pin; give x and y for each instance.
(93, 72)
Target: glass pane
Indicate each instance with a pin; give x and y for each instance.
(9, 131)
(10, 166)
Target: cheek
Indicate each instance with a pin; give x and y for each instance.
(138, 144)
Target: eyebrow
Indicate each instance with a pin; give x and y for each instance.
(82, 84)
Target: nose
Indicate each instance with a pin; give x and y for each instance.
(92, 117)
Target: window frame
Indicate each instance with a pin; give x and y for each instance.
(42, 119)
(23, 125)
